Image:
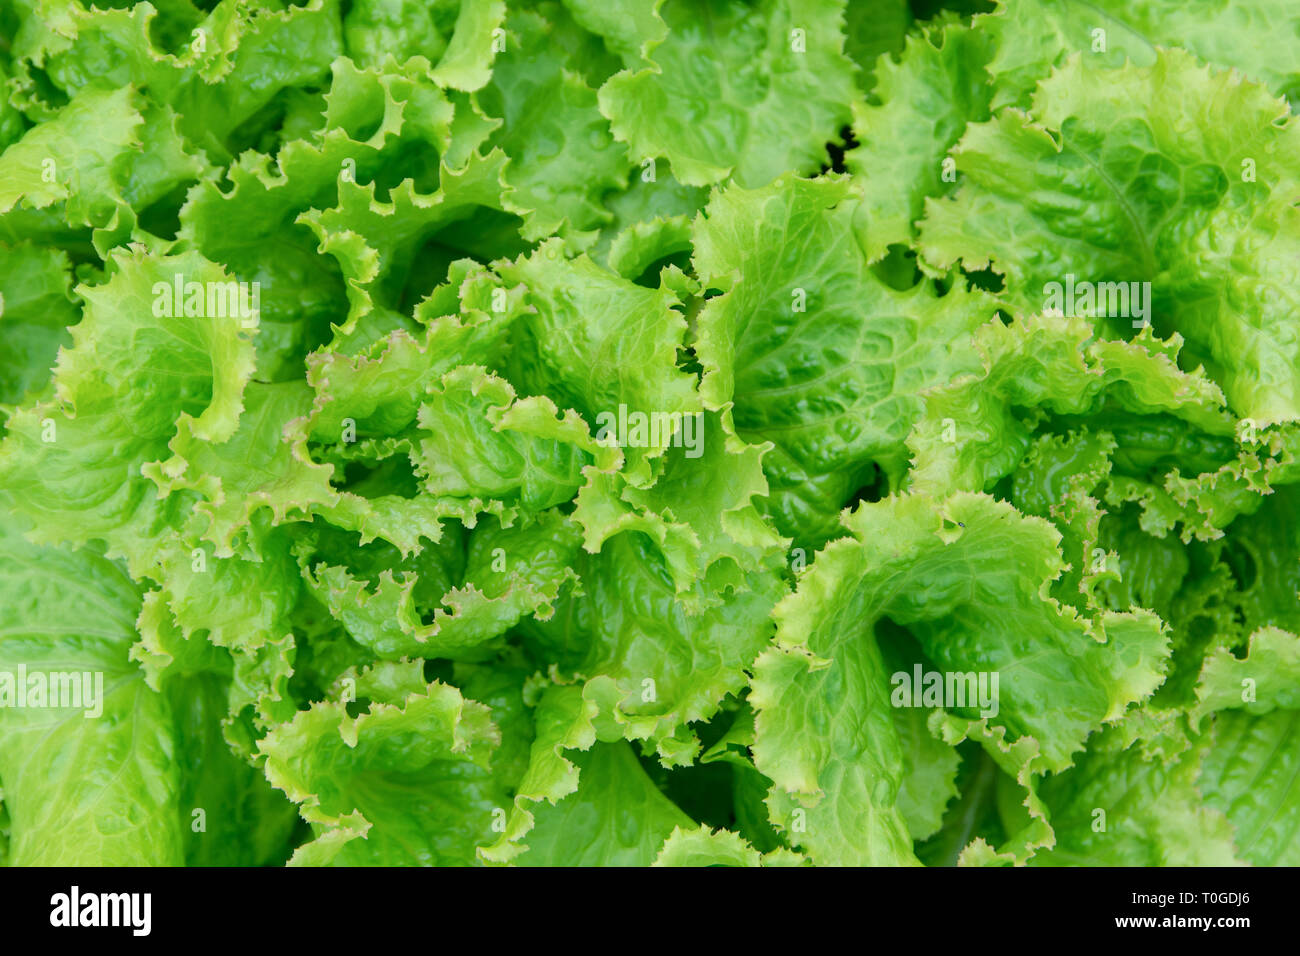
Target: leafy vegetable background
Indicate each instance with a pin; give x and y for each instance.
(366, 588)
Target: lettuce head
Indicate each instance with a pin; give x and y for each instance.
(649, 432)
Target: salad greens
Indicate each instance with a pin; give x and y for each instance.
(630, 432)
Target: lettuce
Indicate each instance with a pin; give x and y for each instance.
(652, 432)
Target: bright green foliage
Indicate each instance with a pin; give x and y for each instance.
(728, 89)
(649, 433)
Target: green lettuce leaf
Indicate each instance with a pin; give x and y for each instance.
(920, 107)
(72, 463)
(403, 783)
(809, 349)
(705, 847)
(563, 157)
(1137, 804)
(1249, 775)
(953, 573)
(96, 784)
(1144, 196)
(732, 90)
(616, 803)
